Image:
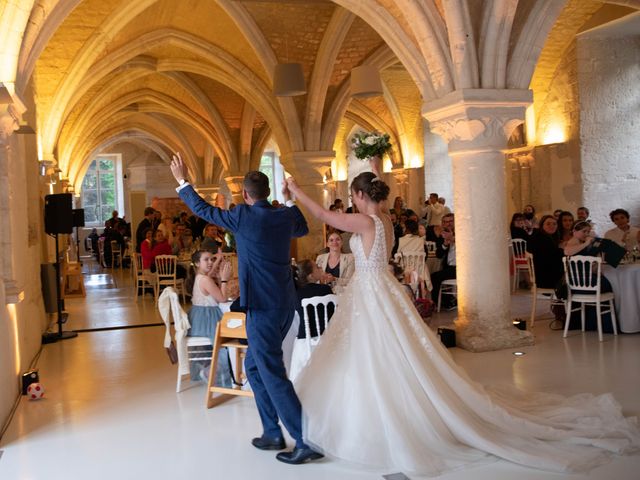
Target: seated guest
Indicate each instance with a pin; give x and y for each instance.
(335, 265)
(212, 239)
(581, 243)
(150, 250)
(398, 207)
(411, 241)
(530, 219)
(547, 255)
(446, 250)
(178, 243)
(398, 231)
(623, 234)
(565, 228)
(309, 274)
(166, 226)
(205, 313)
(556, 214)
(143, 226)
(582, 214)
(517, 227)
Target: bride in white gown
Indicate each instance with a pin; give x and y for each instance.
(381, 391)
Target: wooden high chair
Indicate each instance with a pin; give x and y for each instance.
(231, 329)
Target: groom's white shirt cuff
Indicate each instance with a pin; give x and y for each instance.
(289, 203)
(183, 184)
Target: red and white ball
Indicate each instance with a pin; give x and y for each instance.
(35, 391)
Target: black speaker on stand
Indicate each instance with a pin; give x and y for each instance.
(58, 218)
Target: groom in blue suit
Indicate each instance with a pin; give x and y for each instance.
(263, 236)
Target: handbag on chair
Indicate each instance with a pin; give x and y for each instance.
(172, 351)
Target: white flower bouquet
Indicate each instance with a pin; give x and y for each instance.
(370, 144)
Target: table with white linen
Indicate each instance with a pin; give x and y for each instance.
(625, 281)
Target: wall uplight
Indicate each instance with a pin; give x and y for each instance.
(554, 133)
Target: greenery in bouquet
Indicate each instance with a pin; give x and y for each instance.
(370, 144)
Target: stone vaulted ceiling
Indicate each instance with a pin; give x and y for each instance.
(196, 75)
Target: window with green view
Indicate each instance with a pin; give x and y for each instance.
(99, 191)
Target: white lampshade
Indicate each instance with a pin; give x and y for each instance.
(365, 82)
(288, 80)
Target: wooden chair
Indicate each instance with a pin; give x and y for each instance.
(448, 287)
(518, 259)
(143, 279)
(230, 332)
(536, 292)
(116, 253)
(303, 347)
(584, 276)
(72, 280)
(166, 266)
(101, 252)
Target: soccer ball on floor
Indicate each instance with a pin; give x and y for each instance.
(35, 391)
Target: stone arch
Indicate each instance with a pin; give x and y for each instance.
(327, 53)
(382, 58)
(231, 72)
(494, 43)
(165, 104)
(462, 46)
(157, 127)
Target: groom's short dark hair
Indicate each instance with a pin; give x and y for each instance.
(256, 184)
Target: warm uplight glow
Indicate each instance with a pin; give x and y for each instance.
(339, 170)
(50, 189)
(416, 162)
(387, 166)
(530, 125)
(11, 308)
(554, 134)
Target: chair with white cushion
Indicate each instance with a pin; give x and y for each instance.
(539, 293)
(143, 278)
(518, 259)
(303, 347)
(584, 274)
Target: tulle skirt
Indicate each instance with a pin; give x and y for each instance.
(382, 392)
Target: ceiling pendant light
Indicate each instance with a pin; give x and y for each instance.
(365, 82)
(288, 80)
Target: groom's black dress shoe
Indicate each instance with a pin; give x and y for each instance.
(298, 456)
(266, 443)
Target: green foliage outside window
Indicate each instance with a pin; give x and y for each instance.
(99, 191)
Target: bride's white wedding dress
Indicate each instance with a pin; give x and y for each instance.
(381, 391)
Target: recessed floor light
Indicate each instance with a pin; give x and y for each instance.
(519, 354)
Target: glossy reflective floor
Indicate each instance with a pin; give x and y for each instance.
(111, 411)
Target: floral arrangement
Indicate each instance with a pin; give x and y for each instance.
(370, 144)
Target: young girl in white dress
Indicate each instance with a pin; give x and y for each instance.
(381, 391)
(205, 313)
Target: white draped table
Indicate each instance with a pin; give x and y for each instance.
(625, 280)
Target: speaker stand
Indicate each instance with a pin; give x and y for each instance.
(62, 317)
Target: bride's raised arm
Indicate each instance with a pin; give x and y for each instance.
(349, 222)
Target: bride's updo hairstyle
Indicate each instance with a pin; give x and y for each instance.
(371, 185)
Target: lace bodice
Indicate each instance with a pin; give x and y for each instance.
(378, 257)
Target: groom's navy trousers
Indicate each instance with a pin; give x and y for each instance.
(275, 396)
(263, 238)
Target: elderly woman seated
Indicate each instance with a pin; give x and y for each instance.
(338, 267)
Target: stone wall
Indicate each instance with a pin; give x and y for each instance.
(438, 170)
(609, 73)
(22, 323)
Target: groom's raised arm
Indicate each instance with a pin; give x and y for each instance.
(202, 209)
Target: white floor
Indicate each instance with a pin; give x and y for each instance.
(111, 411)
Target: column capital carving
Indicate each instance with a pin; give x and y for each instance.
(477, 119)
(309, 167)
(11, 110)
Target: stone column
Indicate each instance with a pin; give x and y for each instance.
(234, 183)
(401, 177)
(476, 125)
(209, 193)
(310, 170)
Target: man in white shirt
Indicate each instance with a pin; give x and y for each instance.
(623, 234)
(433, 211)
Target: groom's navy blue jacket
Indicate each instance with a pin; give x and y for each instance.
(263, 241)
